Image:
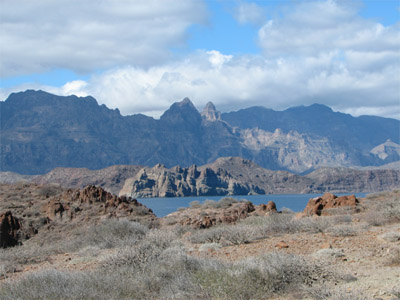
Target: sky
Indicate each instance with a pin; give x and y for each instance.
(140, 56)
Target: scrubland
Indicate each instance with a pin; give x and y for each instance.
(349, 254)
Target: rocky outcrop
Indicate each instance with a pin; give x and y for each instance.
(225, 211)
(9, 230)
(320, 205)
(179, 182)
(387, 152)
(94, 202)
(266, 209)
(36, 211)
(206, 218)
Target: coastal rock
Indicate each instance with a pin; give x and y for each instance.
(319, 205)
(266, 209)
(180, 182)
(207, 217)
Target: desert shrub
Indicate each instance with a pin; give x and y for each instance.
(57, 285)
(209, 246)
(286, 210)
(112, 233)
(374, 218)
(382, 208)
(391, 236)
(148, 249)
(342, 230)
(195, 204)
(49, 190)
(211, 235)
(288, 223)
(211, 204)
(255, 278)
(337, 219)
(324, 293)
(395, 292)
(394, 257)
(167, 272)
(234, 234)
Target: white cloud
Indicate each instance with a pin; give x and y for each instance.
(245, 81)
(353, 67)
(250, 13)
(313, 27)
(83, 36)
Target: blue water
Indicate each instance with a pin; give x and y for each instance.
(296, 202)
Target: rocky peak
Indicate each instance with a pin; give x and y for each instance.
(182, 113)
(210, 113)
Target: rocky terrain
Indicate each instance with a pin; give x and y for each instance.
(225, 176)
(27, 210)
(41, 131)
(89, 244)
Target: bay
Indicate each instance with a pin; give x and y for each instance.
(296, 202)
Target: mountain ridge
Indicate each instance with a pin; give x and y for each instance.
(41, 131)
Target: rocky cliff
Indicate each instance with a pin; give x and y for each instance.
(180, 182)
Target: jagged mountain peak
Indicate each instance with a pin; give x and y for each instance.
(210, 113)
(183, 111)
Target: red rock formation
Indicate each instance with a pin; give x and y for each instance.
(266, 209)
(9, 230)
(319, 205)
(206, 218)
(93, 202)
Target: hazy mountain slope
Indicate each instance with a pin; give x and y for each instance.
(41, 131)
(364, 132)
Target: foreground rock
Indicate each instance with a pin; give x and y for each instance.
(30, 210)
(320, 205)
(225, 211)
(9, 230)
(94, 202)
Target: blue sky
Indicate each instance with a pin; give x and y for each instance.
(141, 56)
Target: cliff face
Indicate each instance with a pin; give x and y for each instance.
(179, 182)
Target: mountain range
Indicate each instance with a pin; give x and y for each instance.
(41, 131)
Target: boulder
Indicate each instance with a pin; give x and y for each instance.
(319, 205)
(206, 218)
(266, 209)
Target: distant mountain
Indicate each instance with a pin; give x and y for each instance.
(41, 131)
(362, 133)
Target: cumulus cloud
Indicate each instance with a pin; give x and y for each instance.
(354, 68)
(250, 12)
(245, 81)
(313, 27)
(37, 36)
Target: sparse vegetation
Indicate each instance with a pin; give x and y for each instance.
(121, 259)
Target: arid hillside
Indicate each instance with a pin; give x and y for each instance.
(89, 244)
